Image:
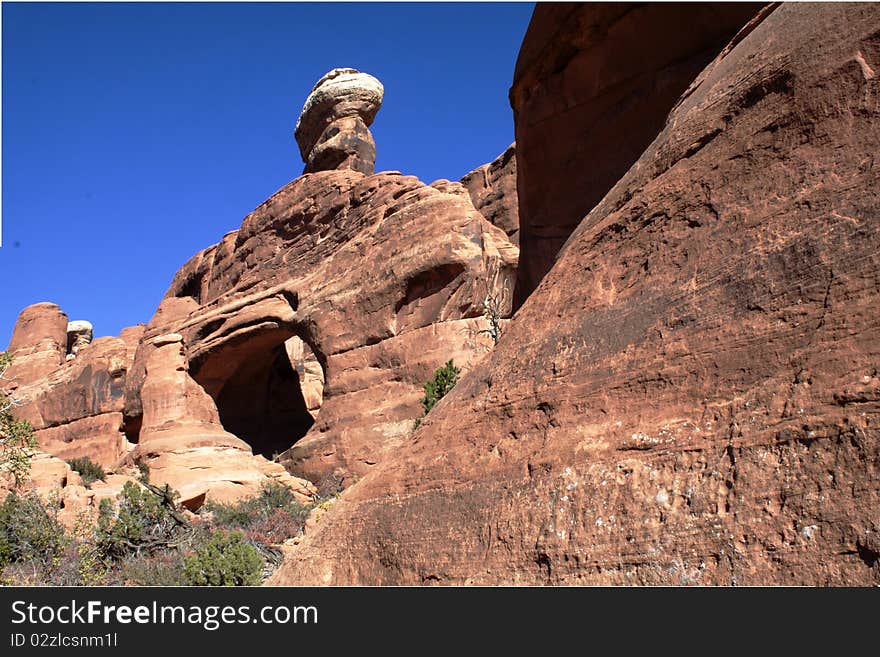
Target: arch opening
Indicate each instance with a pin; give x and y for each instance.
(271, 400)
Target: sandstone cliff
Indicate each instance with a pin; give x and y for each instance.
(593, 85)
(691, 395)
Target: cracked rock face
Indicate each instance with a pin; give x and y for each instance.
(332, 131)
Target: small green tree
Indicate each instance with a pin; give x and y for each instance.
(444, 380)
(143, 522)
(87, 469)
(224, 560)
(17, 440)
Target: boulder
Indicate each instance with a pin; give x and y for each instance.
(79, 334)
(332, 130)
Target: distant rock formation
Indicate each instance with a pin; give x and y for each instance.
(79, 334)
(39, 342)
(332, 130)
(492, 188)
(692, 394)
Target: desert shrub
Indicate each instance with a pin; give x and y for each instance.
(144, 471)
(161, 569)
(269, 517)
(87, 469)
(443, 381)
(225, 560)
(30, 531)
(17, 440)
(277, 526)
(330, 485)
(143, 522)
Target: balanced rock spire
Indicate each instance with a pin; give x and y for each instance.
(332, 131)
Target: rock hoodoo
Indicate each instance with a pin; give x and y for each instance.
(333, 128)
(300, 341)
(79, 334)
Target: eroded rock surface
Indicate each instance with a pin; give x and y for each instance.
(38, 343)
(692, 394)
(593, 85)
(185, 445)
(75, 405)
(492, 188)
(333, 128)
(382, 280)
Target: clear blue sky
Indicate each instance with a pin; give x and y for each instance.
(135, 135)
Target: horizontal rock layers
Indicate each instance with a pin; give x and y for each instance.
(691, 395)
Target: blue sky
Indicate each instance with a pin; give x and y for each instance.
(135, 135)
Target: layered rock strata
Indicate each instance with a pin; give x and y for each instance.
(332, 130)
(492, 188)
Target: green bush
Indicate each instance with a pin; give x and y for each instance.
(246, 512)
(143, 522)
(17, 440)
(29, 531)
(225, 560)
(144, 471)
(444, 380)
(87, 469)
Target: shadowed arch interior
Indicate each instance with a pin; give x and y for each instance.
(263, 403)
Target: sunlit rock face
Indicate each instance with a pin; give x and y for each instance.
(332, 131)
(691, 395)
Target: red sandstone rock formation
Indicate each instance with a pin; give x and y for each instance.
(324, 260)
(492, 188)
(692, 394)
(74, 403)
(39, 342)
(333, 128)
(592, 87)
(304, 337)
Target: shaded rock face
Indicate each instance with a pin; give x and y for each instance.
(314, 326)
(593, 85)
(492, 188)
(333, 128)
(691, 395)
